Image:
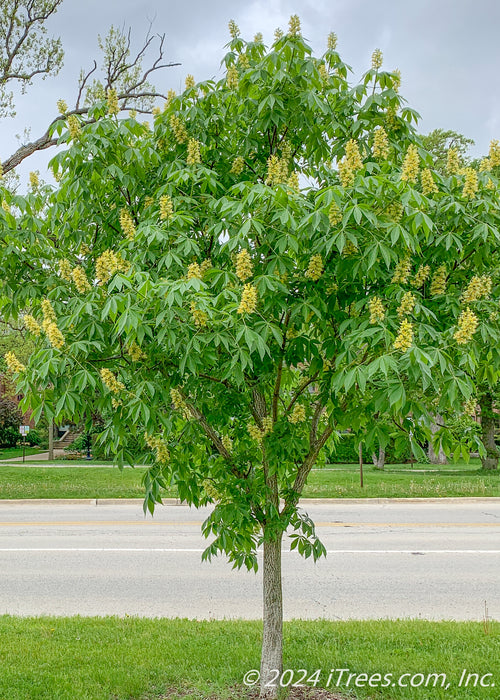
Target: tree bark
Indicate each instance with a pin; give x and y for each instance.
(272, 638)
(488, 424)
(434, 458)
(379, 460)
(51, 439)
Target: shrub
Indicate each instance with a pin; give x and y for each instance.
(10, 420)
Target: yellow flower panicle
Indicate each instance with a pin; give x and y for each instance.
(402, 271)
(452, 162)
(274, 170)
(234, 30)
(395, 211)
(407, 305)
(467, 326)
(411, 165)
(111, 382)
(34, 180)
(315, 268)
(6, 206)
(332, 41)
(54, 335)
(428, 184)
(177, 126)
(294, 26)
(227, 443)
(238, 165)
(135, 352)
(112, 99)
(194, 271)
(380, 143)
(48, 311)
(62, 107)
(232, 78)
(323, 72)
(470, 406)
(255, 432)
(190, 82)
(267, 425)
(127, 224)
(171, 95)
(193, 152)
(346, 173)
(353, 155)
(65, 269)
(106, 265)
(471, 184)
(159, 447)
(438, 281)
(278, 33)
(243, 61)
(74, 127)
(31, 324)
(293, 182)
(494, 153)
(396, 83)
(248, 303)
(13, 364)
(377, 59)
(166, 207)
(377, 310)
(334, 214)
(205, 265)
(404, 339)
(349, 249)
(298, 414)
(200, 318)
(80, 280)
(421, 275)
(478, 288)
(485, 165)
(244, 266)
(180, 404)
(132, 113)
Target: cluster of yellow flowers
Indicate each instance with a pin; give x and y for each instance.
(156, 443)
(166, 207)
(238, 165)
(194, 271)
(323, 72)
(390, 117)
(478, 288)
(34, 180)
(132, 113)
(135, 352)
(438, 281)
(377, 310)
(31, 324)
(494, 153)
(404, 339)
(1, 171)
(49, 325)
(179, 403)
(189, 83)
(421, 275)
(80, 280)
(315, 268)
(298, 414)
(171, 95)
(380, 143)
(255, 432)
(351, 162)
(248, 303)
(127, 224)
(232, 77)
(243, 61)
(396, 83)
(244, 266)
(395, 211)
(107, 264)
(200, 318)
(428, 184)
(193, 152)
(278, 33)
(470, 406)
(411, 165)
(205, 265)
(377, 59)
(234, 30)
(65, 269)
(402, 271)
(294, 25)
(13, 364)
(293, 182)
(62, 107)
(227, 443)
(471, 184)
(178, 128)
(274, 171)
(349, 249)
(73, 127)
(467, 326)
(332, 41)
(5, 206)
(112, 98)
(452, 162)
(334, 214)
(111, 382)
(407, 305)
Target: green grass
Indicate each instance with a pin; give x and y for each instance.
(338, 482)
(111, 658)
(11, 452)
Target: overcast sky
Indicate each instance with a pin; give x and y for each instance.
(448, 51)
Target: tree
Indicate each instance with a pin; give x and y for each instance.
(10, 420)
(275, 260)
(25, 53)
(440, 141)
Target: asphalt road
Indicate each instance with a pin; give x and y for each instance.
(434, 560)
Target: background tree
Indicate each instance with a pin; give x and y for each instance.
(10, 420)
(274, 260)
(439, 142)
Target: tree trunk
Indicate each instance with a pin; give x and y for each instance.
(379, 460)
(272, 638)
(434, 458)
(488, 422)
(51, 439)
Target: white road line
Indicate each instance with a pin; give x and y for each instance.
(171, 550)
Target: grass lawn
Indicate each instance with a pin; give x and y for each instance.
(11, 452)
(133, 658)
(336, 482)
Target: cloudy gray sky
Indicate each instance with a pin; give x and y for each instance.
(447, 50)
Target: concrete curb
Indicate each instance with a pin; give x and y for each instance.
(303, 502)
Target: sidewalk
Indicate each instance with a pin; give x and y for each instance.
(40, 457)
